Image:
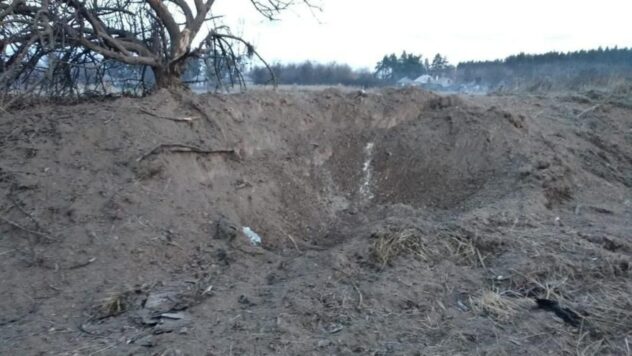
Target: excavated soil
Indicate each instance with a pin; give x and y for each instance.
(395, 222)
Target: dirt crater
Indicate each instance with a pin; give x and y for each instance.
(440, 157)
(393, 222)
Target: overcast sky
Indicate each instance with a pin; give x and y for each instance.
(360, 32)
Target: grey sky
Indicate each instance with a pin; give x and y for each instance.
(360, 32)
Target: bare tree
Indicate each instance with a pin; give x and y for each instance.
(57, 41)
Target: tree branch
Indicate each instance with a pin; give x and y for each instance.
(165, 17)
(186, 10)
(117, 55)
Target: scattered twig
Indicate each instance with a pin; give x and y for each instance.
(29, 215)
(176, 147)
(360, 298)
(480, 257)
(515, 342)
(294, 243)
(53, 287)
(32, 232)
(300, 244)
(208, 290)
(355, 287)
(82, 264)
(590, 109)
(4, 110)
(197, 107)
(188, 119)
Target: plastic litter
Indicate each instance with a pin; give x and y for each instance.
(255, 239)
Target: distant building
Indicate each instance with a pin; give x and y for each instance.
(405, 82)
(443, 81)
(423, 79)
(426, 81)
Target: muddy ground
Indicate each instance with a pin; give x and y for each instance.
(393, 222)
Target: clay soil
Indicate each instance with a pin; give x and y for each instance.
(394, 222)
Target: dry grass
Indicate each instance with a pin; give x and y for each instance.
(592, 281)
(609, 308)
(388, 245)
(495, 305)
(466, 251)
(580, 275)
(112, 305)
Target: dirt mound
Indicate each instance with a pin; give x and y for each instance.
(392, 222)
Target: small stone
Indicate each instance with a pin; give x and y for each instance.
(226, 230)
(170, 325)
(462, 307)
(524, 171)
(161, 301)
(146, 317)
(542, 165)
(243, 300)
(334, 328)
(174, 316)
(147, 341)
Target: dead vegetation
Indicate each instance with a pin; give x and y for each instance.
(387, 246)
(428, 247)
(111, 305)
(500, 307)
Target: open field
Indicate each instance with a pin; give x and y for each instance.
(393, 222)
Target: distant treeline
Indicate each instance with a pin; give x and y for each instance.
(523, 71)
(387, 71)
(551, 69)
(309, 73)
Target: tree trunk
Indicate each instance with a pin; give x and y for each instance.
(168, 77)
